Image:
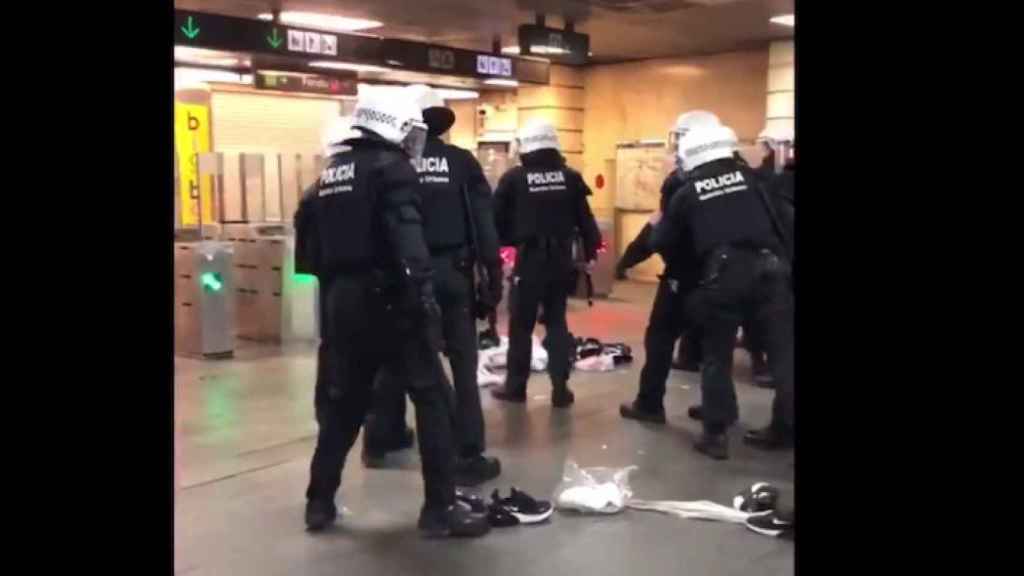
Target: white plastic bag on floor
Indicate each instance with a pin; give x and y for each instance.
(594, 490)
(695, 510)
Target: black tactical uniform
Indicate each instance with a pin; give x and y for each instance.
(721, 215)
(361, 234)
(448, 174)
(540, 206)
(667, 321)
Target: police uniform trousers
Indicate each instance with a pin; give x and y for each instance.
(366, 330)
(543, 275)
(744, 286)
(665, 326)
(453, 285)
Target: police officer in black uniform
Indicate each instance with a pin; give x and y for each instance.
(667, 320)
(367, 248)
(540, 206)
(722, 215)
(451, 177)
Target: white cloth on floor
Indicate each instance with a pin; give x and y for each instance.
(696, 510)
(497, 357)
(484, 377)
(599, 363)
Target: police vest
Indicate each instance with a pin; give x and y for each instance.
(546, 203)
(343, 209)
(442, 178)
(726, 208)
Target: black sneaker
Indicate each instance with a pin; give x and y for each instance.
(768, 438)
(476, 470)
(500, 517)
(523, 507)
(457, 521)
(771, 524)
(562, 398)
(761, 497)
(320, 514)
(476, 504)
(713, 445)
(502, 392)
(633, 411)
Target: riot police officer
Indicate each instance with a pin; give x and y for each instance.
(458, 226)
(368, 250)
(540, 206)
(667, 320)
(722, 217)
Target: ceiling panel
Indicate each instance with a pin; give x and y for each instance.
(619, 29)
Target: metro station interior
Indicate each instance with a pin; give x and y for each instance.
(255, 84)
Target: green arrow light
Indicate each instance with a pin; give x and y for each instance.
(211, 281)
(304, 278)
(274, 40)
(190, 29)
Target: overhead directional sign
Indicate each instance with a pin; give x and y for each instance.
(227, 33)
(307, 83)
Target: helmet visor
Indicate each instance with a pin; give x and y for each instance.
(415, 140)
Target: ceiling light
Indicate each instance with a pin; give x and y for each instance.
(266, 16)
(348, 66)
(547, 50)
(501, 82)
(190, 77)
(205, 57)
(510, 50)
(328, 22)
(785, 19)
(454, 94)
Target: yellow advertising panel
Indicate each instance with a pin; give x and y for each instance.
(192, 137)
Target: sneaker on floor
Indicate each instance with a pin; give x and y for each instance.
(476, 503)
(476, 470)
(761, 497)
(634, 411)
(502, 392)
(771, 524)
(457, 521)
(320, 514)
(521, 506)
(714, 445)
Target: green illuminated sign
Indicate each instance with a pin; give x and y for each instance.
(275, 39)
(190, 29)
(304, 278)
(211, 281)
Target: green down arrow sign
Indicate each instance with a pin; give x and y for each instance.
(274, 39)
(190, 29)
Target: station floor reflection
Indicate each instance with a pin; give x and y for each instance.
(245, 433)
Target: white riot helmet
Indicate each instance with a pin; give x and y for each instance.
(436, 115)
(336, 131)
(777, 140)
(688, 121)
(395, 118)
(537, 135)
(705, 144)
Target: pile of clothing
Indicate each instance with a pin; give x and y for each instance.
(591, 355)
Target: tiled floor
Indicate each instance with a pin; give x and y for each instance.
(246, 433)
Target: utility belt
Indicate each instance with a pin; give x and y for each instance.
(762, 260)
(546, 244)
(461, 256)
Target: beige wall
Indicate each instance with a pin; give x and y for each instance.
(640, 100)
(781, 104)
(560, 102)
